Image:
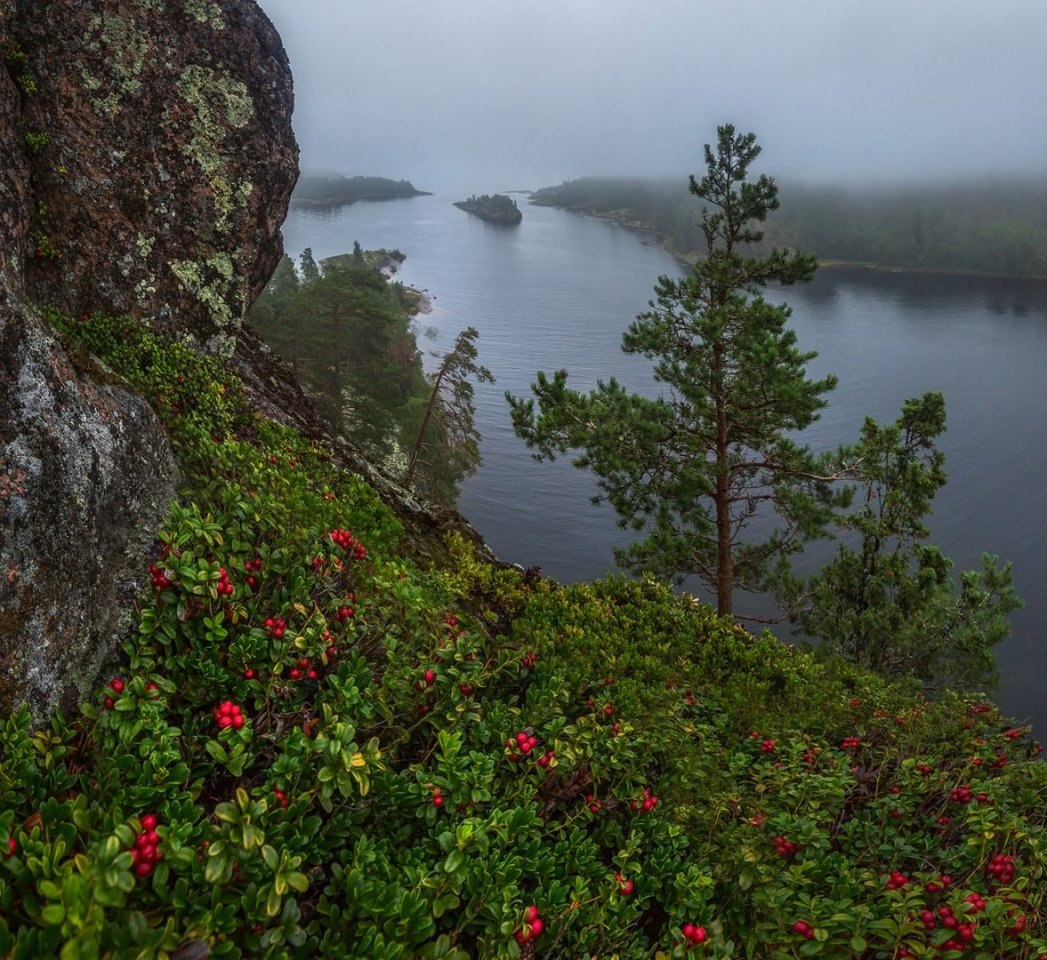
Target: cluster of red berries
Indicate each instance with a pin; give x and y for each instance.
(252, 567)
(145, 853)
(228, 714)
(1019, 925)
(693, 934)
(303, 670)
(851, 743)
(964, 932)
(275, 626)
(427, 680)
(965, 795)
(522, 743)
(532, 927)
(785, 848)
(594, 803)
(543, 760)
(224, 586)
(767, 746)
(608, 710)
(897, 881)
(936, 886)
(646, 804)
(438, 799)
(1000, 868)
(804, 929)
(346, 612)
(810, 756)
(345, 540)
(160, 580)
(281, 797)
(450, 619)
(117, 686)
(528, 660)
(625, 887)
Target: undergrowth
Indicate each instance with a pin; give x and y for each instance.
(316, 747)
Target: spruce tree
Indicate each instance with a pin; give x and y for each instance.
(692, 467)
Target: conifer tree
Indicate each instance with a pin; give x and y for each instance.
(888, 600)
(693, 467)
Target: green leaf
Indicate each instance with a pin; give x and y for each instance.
(227, 812)
(53, 914)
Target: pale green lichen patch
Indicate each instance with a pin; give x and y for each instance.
(215, 284)
(219, 103)
(206, 12)
(123, 46)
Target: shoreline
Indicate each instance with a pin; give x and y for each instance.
(690, 259)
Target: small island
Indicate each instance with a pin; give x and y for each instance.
(316, 190)
(494, 209)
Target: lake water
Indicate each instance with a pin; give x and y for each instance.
(557, 292)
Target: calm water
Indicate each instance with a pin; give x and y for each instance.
(558, 291)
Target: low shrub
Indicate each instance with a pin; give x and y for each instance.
(316, 747)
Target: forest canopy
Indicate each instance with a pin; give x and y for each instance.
(980, 227)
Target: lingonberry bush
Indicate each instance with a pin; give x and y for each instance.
(352, 753)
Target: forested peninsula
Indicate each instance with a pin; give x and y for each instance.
(497, 208)
(978, 227)
(316, 190)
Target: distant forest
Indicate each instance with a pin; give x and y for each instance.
(332, 191)
(981, 227)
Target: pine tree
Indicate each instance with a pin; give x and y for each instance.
(446, 447)
(888, 600)
(694, 466)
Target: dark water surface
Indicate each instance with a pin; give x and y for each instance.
(557, 292)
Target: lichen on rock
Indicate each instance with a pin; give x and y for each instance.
(169, 144)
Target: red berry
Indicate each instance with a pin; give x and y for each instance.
(148, 821)
(117, 685)
(108, 703)
(12, 846)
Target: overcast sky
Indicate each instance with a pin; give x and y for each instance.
(485, 95)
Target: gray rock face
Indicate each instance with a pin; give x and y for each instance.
(86, 477)
(146, 163)
(169, 160)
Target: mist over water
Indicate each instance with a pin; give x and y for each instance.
(558, 291)
(469, 96)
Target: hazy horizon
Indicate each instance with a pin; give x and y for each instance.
(460, 95)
